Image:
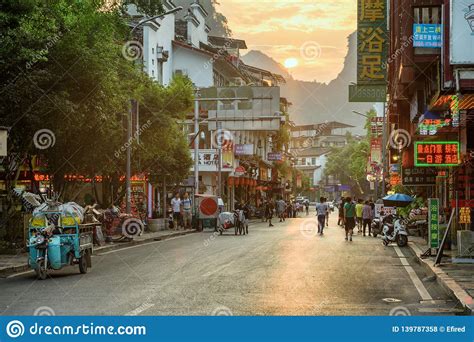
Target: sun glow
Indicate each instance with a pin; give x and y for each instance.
(291, 63)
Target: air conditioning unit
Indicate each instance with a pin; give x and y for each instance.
(465, 243)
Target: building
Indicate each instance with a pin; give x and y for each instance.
(311, 144)
(431, 99)
(236, 137)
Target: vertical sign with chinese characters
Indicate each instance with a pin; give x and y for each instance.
(372, 42)
(433, 220)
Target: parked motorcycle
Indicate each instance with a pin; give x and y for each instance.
(378, 223)
(395, 232)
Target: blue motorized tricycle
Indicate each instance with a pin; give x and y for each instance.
(55, 240)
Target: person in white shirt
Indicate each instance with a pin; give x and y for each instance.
(321, 209)
(176, 205)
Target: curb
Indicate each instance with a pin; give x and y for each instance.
(445, 281)
(5, 271)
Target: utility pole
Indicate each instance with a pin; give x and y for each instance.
(128, 185)
(196, 143)
(219, 166)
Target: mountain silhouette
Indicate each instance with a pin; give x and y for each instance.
(315, 102)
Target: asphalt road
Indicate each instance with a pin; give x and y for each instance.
(283, 270)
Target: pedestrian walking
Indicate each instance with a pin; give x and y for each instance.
(306, 205)
(358, 208)
(281, 206)
(176, 205)
(327, 211)
(187, 213)
(349, 218)
(321, 209)
(340, 220)
(367, 217)
(269, 212)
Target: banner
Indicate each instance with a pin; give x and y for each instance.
(427, 35)
(433, 221)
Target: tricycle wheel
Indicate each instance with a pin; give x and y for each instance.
(83, 263)
(40, 270)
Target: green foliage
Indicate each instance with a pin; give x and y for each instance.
(63, 70)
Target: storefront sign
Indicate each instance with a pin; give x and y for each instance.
(465, 215)
(344, 188)
(208, 160)
(427, 35)
(382, 211)
(419, 176)
(461, 32)
(431, 127)
(244, 150)
(371, 42)
(433, 221)
(272, 156)
(376, 151)
(376, 126)
(438, 153)
(367, 93)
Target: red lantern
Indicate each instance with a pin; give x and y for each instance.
(230, 181)
(236, 181)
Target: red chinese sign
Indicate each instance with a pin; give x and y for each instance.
(437, 153)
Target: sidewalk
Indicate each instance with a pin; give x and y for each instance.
(18, 263)
(456, 279)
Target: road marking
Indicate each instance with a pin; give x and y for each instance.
(140, 309)
(425, 295)
(140, 245)
(19, 274)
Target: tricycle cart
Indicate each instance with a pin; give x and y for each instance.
(56, 239)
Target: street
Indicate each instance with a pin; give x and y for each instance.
(282, 270)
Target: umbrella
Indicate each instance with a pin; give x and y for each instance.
(397, 200)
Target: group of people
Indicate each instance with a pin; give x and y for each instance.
(358, 213)
(182, 211)
(282, 209)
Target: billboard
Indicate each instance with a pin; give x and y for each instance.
(427, 35)
(461, 32)
(437, 153)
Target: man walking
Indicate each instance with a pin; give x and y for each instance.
(349, 218)
(281, 206)
(321, 209)
(367, 217)
(187, 211)
(358, 208)
(340, 208)
(269, 212)
(176, 205)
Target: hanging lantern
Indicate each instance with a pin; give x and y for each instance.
(236, 181)
(230, 181)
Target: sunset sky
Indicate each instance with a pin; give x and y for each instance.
(309, 33)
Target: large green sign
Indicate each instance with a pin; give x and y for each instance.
(372, 42)
(367, 93)
(433, 220)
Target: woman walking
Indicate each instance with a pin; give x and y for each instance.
(349, 218)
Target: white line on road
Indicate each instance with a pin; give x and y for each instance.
(19, 274)
(425, 295)
(140, 309)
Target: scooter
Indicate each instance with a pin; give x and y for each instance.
(395, 232)
(378, 223)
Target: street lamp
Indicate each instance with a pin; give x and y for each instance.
(359, 113)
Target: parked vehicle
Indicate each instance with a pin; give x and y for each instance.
(378, 222)
(395, 232)
(56, 240)
(236, 220)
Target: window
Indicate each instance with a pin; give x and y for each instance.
(313, 161)
(153, 61)
(153, 51)
(303, 161)
(427, 15)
